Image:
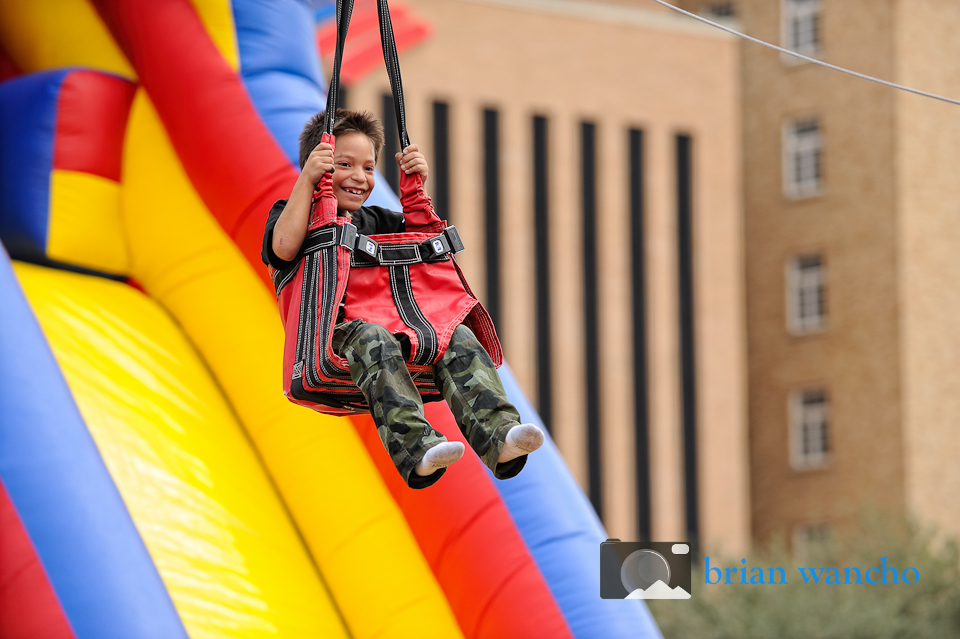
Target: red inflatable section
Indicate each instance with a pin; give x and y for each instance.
(80, 147)
(7, 67)
(237, 168)
(363, 52)
(471, 543)
(28, 605)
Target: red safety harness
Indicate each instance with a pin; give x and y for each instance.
(408, 282)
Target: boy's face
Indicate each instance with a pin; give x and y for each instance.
(353, 171)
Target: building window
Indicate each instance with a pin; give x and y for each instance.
(809, 436)
(721, 10)
(802, 172)
(806, 294)
(801, 27)
(811, 541)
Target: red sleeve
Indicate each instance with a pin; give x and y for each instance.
(417, 207)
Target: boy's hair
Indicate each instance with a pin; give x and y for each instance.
(347, 122)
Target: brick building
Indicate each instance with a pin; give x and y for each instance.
(852, 235)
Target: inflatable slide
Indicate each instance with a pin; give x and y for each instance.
(154, 482)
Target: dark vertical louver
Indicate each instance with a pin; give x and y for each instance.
(591, 320)
(391, 145)
(541, 219)
(641, 409)
(491, 210)
(440, 162)
(687, 345)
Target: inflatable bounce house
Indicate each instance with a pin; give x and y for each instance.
(154, 481)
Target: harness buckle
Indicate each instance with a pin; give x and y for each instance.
(368, 248)
(348, 236)
(435, 247)
(453, 237)
(441, 245)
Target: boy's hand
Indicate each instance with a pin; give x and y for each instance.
(411, 161)
(320, 161)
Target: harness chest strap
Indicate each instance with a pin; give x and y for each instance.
(373, 253)
(376, 254)
(369, 252)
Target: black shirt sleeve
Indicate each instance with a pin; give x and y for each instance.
(266, 252)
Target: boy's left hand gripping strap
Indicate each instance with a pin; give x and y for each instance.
(324, 201)
(418, 210)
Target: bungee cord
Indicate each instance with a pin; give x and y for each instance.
(856, 74)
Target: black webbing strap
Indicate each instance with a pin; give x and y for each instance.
(324, 237)
(344, 11)
(391, 59)
(389, 44)
(369, 252)
(345, 235)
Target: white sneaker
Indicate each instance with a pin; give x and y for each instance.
(521, 440)
(440, 456)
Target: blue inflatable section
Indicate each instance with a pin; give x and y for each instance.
(58, 482)
(563, 533)
(284, 82)
(28, 120)
(280, 67)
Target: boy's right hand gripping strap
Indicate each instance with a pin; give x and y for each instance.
(324, 201)
(418, 210)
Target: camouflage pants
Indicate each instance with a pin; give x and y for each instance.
(466, 378)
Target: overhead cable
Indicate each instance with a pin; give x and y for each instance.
(857, 74)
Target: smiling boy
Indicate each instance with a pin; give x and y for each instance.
(465, 373)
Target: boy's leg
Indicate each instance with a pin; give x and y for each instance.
(379, 370)
(470, 384)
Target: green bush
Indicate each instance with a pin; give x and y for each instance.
(929, 609)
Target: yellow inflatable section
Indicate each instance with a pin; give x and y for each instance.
(209, 514)
(264, 519)
(49, 34)
(211, 460)
(85, 224)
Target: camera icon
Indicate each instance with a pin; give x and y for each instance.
(647, 570)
